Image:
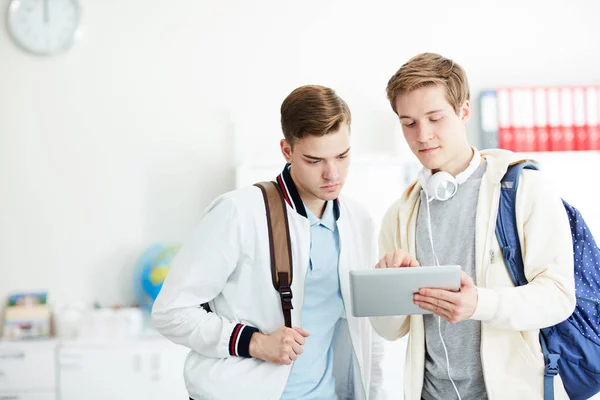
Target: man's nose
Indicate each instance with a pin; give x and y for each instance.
(331, 172)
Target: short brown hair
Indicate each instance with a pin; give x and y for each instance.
(312, 110)
(428, 69)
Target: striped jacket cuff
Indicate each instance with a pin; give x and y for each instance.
(239, 342)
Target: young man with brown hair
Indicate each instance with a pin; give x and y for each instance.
(242, 349)
(482, 341)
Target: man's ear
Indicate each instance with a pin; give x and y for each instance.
(286, 150)
(465, 112)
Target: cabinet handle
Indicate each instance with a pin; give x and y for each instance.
(9, 397)
(137, 363)
(70, 354)
(11, 355)
(69, 367)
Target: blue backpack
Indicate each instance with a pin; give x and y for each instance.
(572, 347)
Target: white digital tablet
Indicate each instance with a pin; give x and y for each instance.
(389, 291)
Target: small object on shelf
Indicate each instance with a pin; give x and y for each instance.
(27, 316)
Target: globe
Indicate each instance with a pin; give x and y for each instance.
(150, 271)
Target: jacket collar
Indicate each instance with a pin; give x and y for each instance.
(292, 197)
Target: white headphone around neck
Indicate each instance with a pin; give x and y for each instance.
(442, 185)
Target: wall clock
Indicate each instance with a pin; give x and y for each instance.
(43, 27)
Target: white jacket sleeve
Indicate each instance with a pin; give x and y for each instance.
(546, 244)
(197, 275)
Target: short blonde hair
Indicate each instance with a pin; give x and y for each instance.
(312, 110)
(429, 69)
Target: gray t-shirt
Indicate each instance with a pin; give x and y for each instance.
(453, 231)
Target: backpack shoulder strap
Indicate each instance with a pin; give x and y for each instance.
(508, 237)
(506, 223)
(279, 244)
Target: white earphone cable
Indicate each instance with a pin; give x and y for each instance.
(437, 262)
(428, 200)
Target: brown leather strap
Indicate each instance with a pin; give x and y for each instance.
(279, 245)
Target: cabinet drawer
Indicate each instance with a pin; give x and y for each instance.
(27, 368)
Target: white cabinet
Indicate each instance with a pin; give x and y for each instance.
(166, 373)
(28, 370)
(141, 369)
(99, 372)
(144, 369)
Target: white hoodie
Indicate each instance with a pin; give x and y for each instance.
(512, 360)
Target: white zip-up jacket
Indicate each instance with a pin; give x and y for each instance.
(511, 355)
(226, 263)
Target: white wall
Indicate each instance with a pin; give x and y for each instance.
(124, 139)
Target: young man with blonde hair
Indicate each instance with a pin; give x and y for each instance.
(242, 349)
(482, 341)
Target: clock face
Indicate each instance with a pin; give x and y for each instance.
(43, 26)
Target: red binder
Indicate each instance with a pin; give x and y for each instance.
(556, 139)
(593, 117)
(528, 143)
(505, 130)
(517, 113)
(566, 120)
(579, 119)
(540, 119)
